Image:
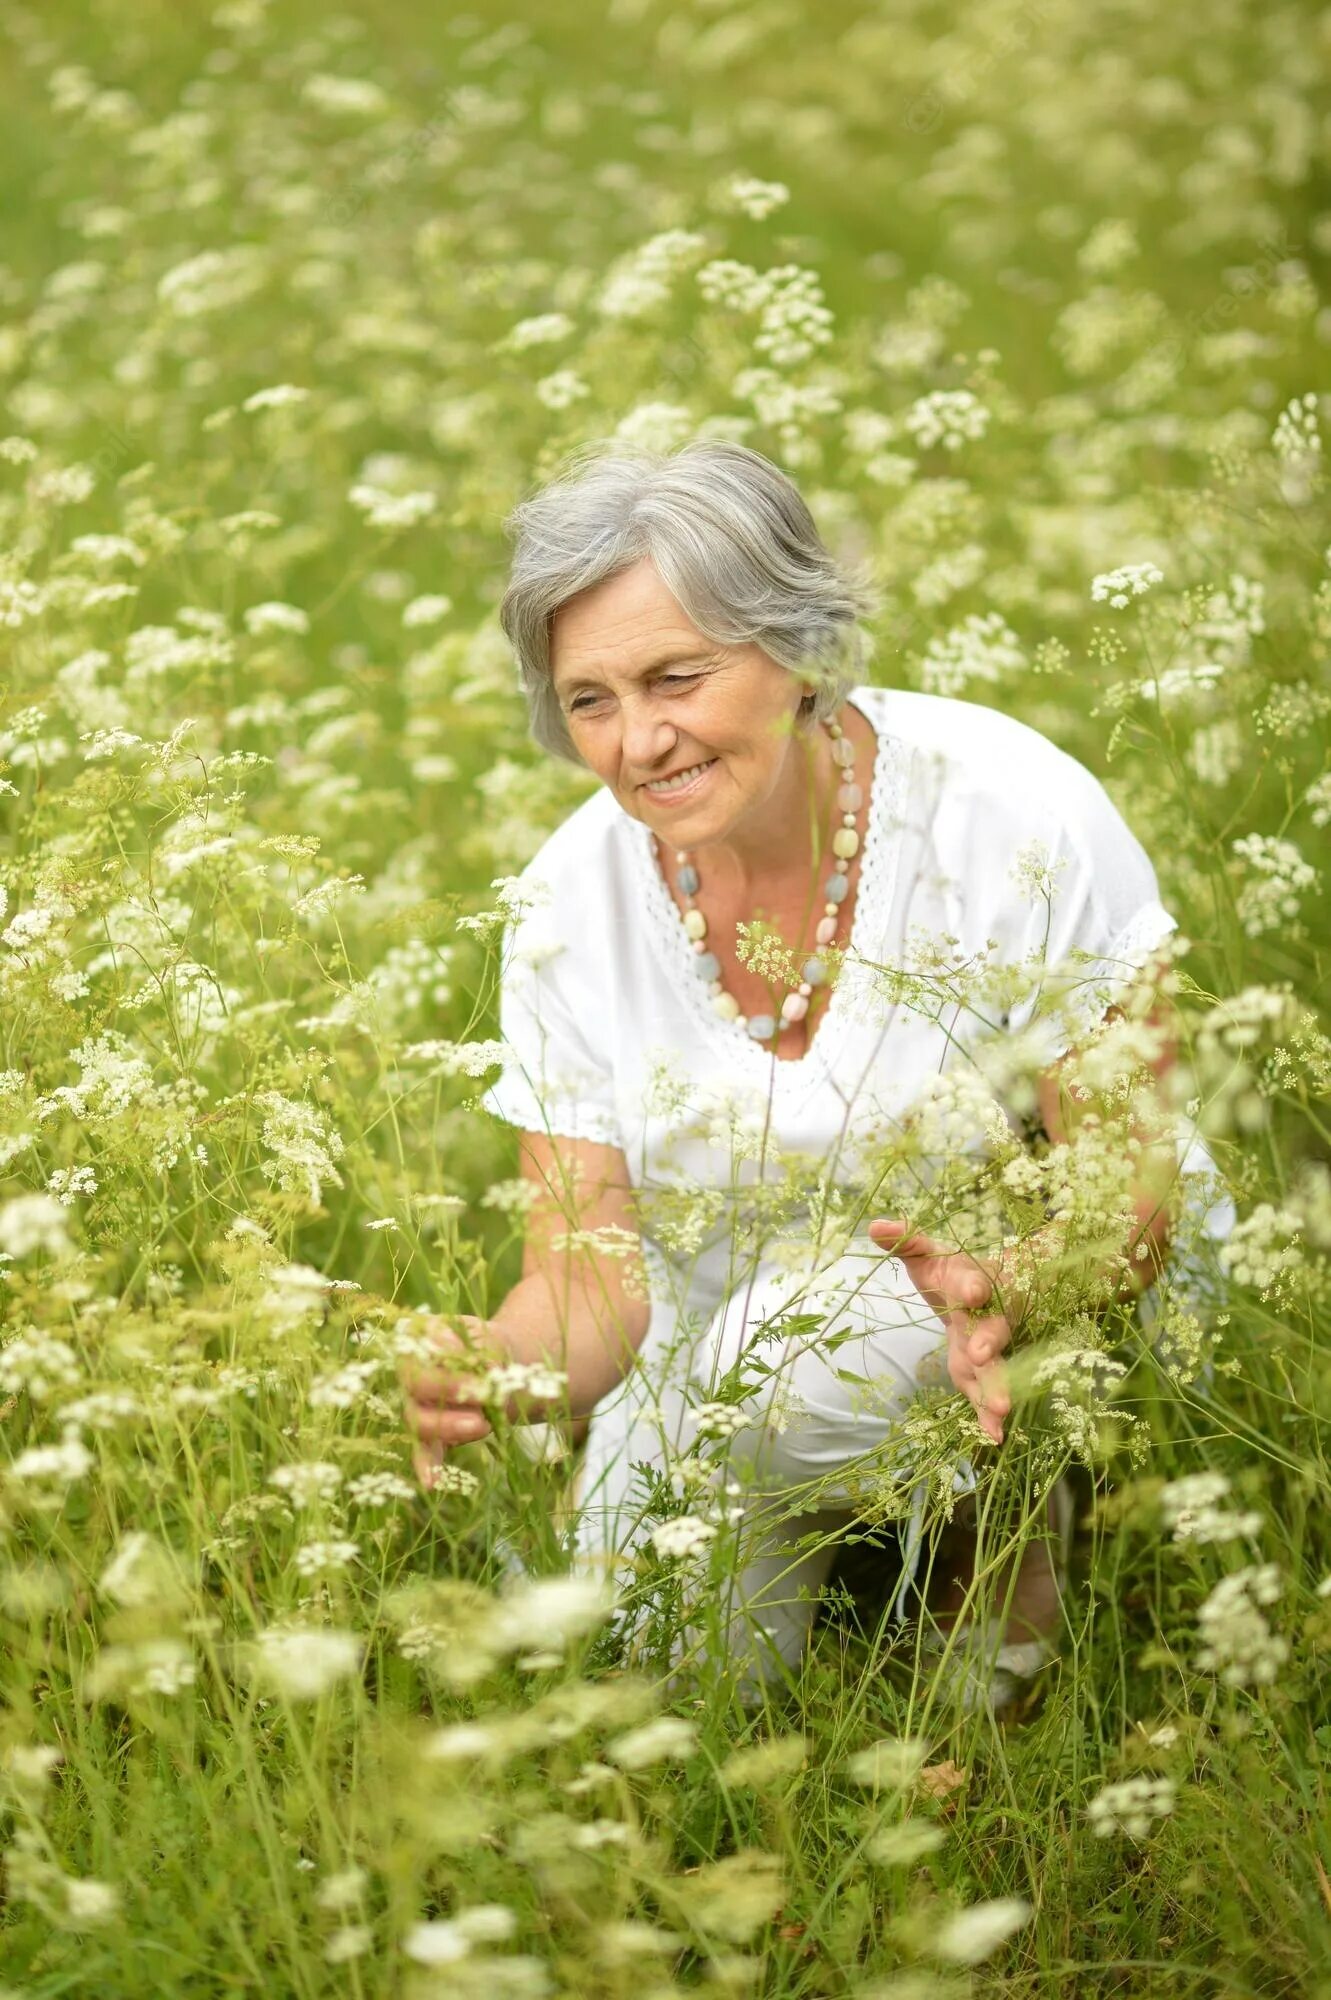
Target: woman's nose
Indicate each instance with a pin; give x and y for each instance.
(647, 735)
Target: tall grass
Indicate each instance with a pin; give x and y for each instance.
(295, 306)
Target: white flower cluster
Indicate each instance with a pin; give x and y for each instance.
(754, 198)
(640, 282)
(393, 510)
(39, 1362)
(523, 1378)
(982, 648)
(320, 1558)
(1189, 1506)
(1130, 1806)
(794, 320)
(950, 417)
(1238, 1643)
(445, 1940)
(1318, 799)
(542, 330)
(1270, 897)
(307, 1483)
(1263, 1246)
(562, 389)
(1297, 435)
(302, 1662)
(1231, 619)
(458, 1058)
(1118, 587)
(342, 1388)
(68, 1183)
(31, 1222)
(214, 281)
(275, 616)
(720, 1420)
(303, 1143)
(683, 1538)
(344, 96)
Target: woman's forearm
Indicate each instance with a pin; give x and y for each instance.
(587, 1329)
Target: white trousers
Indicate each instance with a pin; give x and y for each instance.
(823, 1402)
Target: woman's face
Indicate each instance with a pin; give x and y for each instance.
(692, 737)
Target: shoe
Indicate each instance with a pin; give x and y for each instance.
(982, 1674)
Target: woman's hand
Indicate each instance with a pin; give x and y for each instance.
(444, 1406)
(957, 1286)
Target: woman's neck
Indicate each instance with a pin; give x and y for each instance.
(777, 838)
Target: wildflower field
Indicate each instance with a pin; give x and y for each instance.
(294, 307)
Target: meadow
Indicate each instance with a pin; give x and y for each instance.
(295, 305)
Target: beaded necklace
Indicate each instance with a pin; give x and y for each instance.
(845, 845)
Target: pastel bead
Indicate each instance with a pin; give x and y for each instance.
(850, 798)
(836, 888)
(695, 923)
(761, 1026)
(825, 932)
(814, 971)
(830, 910)
(806, 989)
(688, 880)
(843, 751)
(845, 842)
(727, 1006)
(709, 965)
(794, 1007)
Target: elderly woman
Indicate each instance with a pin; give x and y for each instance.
(687, 1090)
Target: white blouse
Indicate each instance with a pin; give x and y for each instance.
(613, 1037)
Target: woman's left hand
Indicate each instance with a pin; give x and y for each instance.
(958, 1287)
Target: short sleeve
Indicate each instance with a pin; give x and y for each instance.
(1093, 915)
(554, 1080)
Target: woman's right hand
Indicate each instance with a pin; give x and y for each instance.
(444, 1406)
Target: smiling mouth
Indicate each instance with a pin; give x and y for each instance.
(679, 781)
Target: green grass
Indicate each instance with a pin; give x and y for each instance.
(270, 1082)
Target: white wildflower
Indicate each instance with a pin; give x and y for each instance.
(426, 610)
(281, 396)
(303, 1662)
(749, 196)
(950, 417)
(666, 1739)
(684, 1537)
(323, 1558)
(393, 510)
(1130, 1806)
(1280, 878)
(32, 1223)
(973, 1934)
(1118, 587)
(275, 616)
(1189, 1507)
(306, 1483)
(1238, 1643)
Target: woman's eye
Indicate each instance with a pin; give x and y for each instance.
(678, 680)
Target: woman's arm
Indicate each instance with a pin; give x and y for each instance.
(959, 1286)
(580, 1305)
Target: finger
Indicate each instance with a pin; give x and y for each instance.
(431, 1385)
(427, 1463)
(448, 1426)
(900, 1239)
(987, 1338)
(986, 1393)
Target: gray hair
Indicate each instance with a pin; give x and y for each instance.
(732, 540)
